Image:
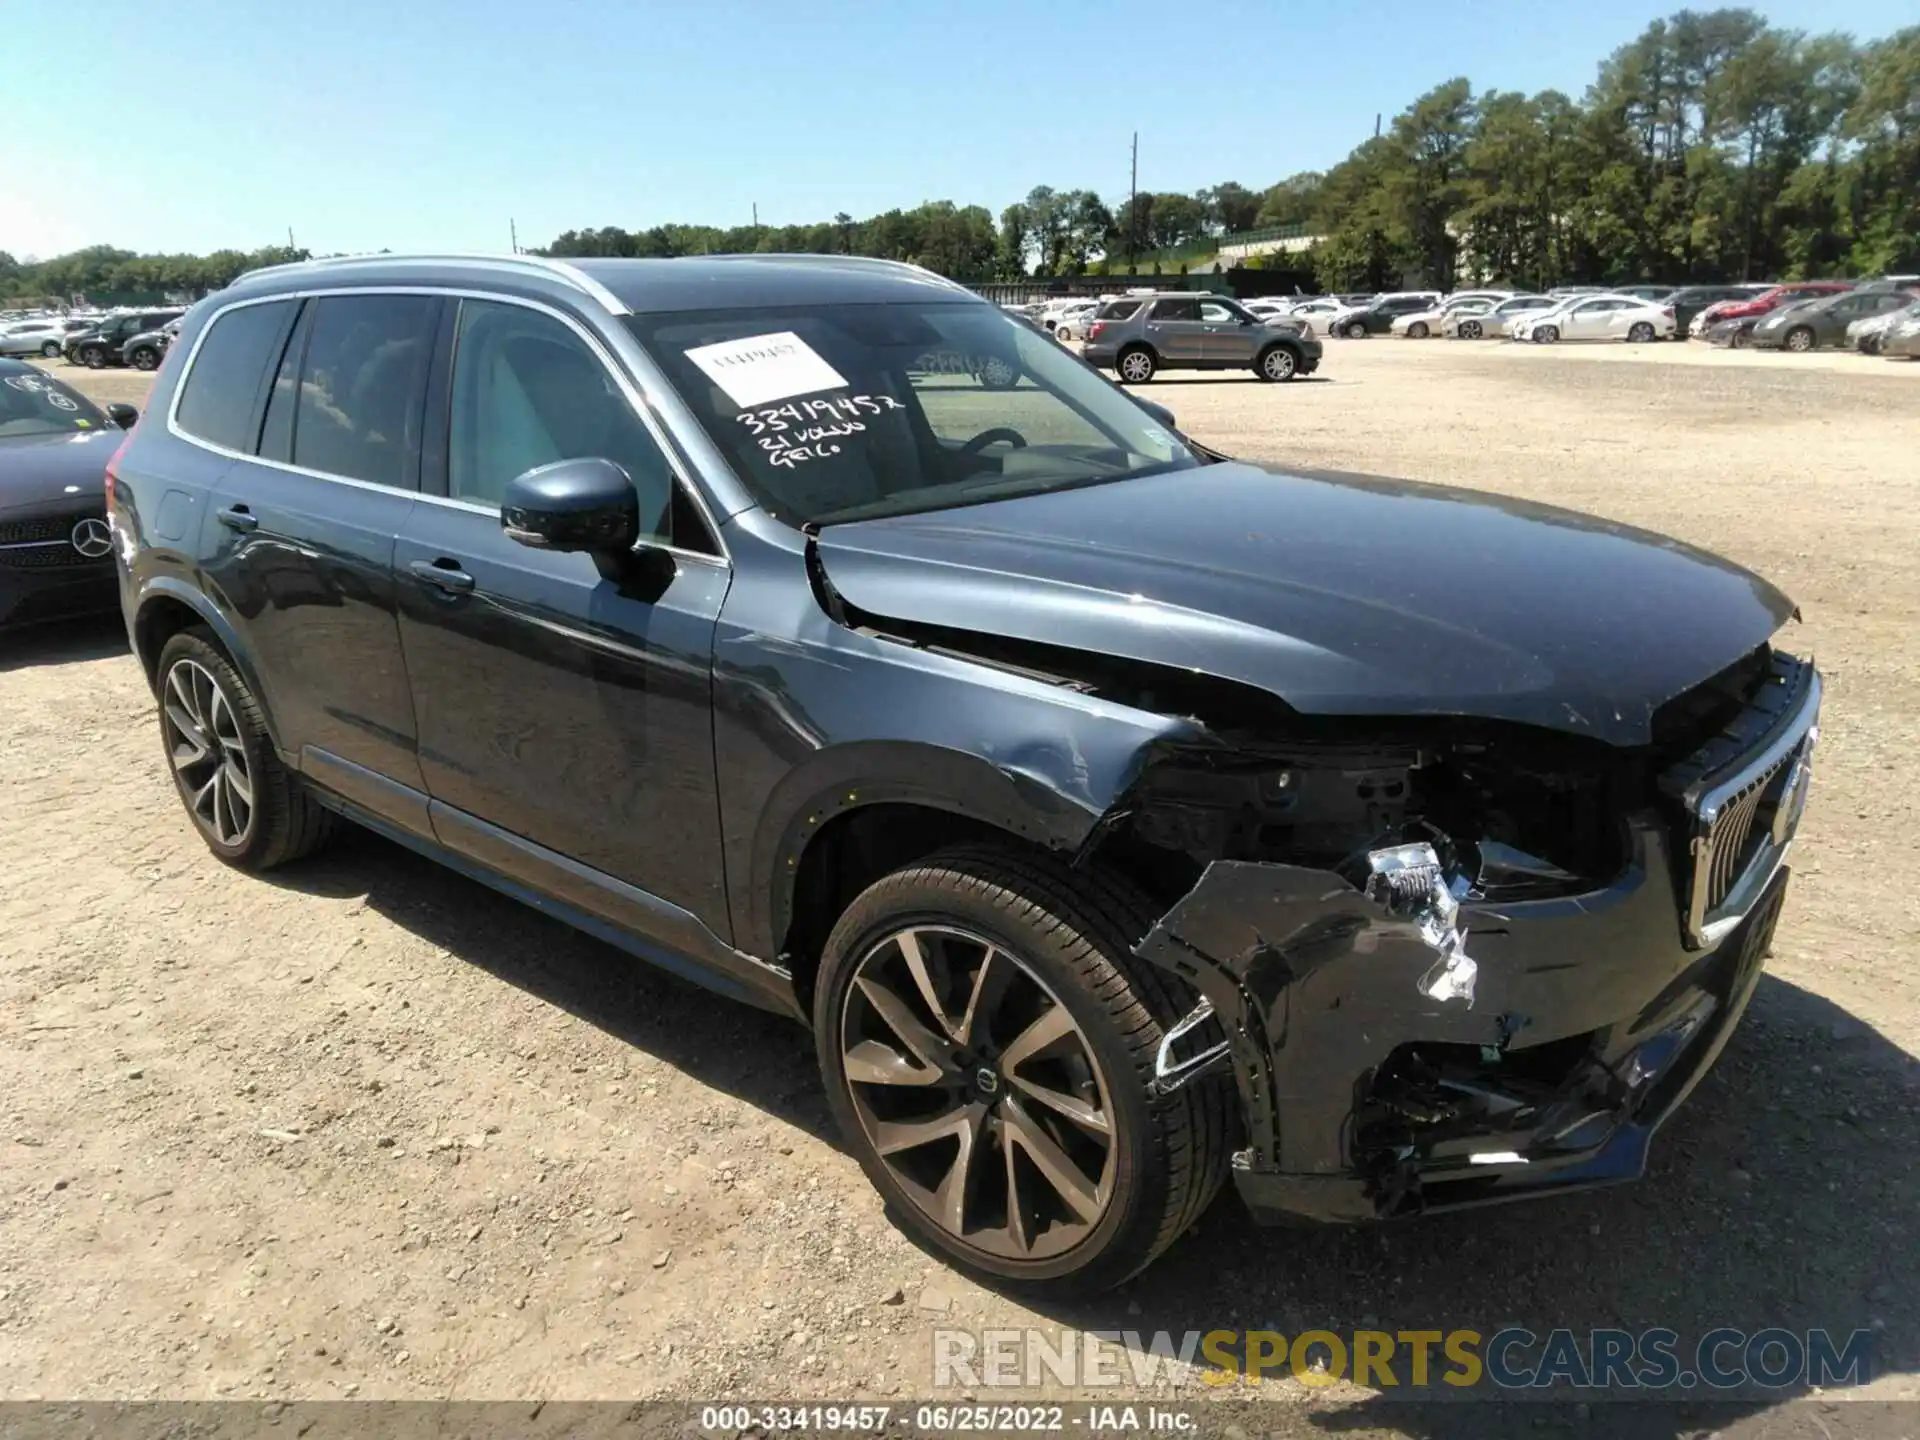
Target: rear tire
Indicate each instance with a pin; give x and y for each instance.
(1799, 340)
(214, 737)
(50, 350)
(1417, 330)
(1062, 941)
(1277, 363)
(1356, 331)
(93, 357)
(1136, 364)
(1469, 329)
(144, 359)
(1640, 333)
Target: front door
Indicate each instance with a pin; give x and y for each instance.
(565, 708)
(1231, 338)
(1176, 331)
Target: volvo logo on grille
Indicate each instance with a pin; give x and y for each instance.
(92, 538)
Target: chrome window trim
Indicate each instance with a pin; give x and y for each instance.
(657, 427)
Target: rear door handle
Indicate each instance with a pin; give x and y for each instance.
(238, 517)
(444, 574)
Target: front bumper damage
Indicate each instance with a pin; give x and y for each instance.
(1374, 1085)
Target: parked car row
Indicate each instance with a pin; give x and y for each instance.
(1806, 316)
(138, 338)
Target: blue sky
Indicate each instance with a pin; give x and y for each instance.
(430, 123)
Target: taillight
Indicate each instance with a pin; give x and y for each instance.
(113, 470)
(1093, 330)
(1667, 310)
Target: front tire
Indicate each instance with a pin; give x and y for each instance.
(1277, 364)
(1799, 340)
(50, 350)
(1469, 329)
(250, 809)
(144, 359)
(1547, 335)
(1356, 331)
(987, 1039)
(94, 358)
(1136, 365)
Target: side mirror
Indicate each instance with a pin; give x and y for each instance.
(1159, 412)
(587, 504)
(122, 414)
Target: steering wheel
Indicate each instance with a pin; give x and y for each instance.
(993, 436)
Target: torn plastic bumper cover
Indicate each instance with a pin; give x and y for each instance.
(1382, 1071)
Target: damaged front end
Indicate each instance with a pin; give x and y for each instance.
(1469, 964)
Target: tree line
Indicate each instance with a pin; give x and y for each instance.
(1712, 146)
(102, 270)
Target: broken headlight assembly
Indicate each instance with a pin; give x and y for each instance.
(1495, 819)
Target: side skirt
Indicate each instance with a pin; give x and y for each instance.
(609, 909)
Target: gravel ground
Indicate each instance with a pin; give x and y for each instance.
(365, 1127)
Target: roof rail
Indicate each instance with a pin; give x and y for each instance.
(547, 265)
(815, 255)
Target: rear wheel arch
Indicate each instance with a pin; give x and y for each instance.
(164, 613)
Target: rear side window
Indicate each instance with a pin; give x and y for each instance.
(363, 387)
(1176, 310)
(1117, 310)
(217, 399)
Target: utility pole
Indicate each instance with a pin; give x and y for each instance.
(290, 244)
(1376, 124)
(1133, 195)
(513, 235)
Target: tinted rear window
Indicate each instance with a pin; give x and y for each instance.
(217, 400)
(363, 387)
(1117, 310)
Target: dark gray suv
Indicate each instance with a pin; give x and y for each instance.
(1119, 816)
(1138, 336)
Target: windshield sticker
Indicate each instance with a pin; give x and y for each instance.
(792, 434)
(766, 367)
(28, 383)
(59, 401)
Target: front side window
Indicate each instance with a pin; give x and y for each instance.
(36, 404)
(218, 396)
(363, 387)
(841, 412)
(528, 391)
(1117, 310)
(1176, 310)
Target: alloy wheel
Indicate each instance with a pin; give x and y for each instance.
(979, 1092)
(208, 755)
(1136, 366)
(1800, 341)
(1470, 330)
(1278, 365)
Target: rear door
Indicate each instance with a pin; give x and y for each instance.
(303, 529)
(555, 704)
(1176, 331)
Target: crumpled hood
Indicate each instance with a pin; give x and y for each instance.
(1341, 595)
(36, 471)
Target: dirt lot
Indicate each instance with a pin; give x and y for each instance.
(367, 1127)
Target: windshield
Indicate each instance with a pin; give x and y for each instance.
(36, 404)
(845, 412)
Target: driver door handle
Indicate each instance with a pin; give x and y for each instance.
(443, 574)
(238, 517)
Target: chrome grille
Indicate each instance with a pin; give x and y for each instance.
(42, 528)
(1743, 794)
